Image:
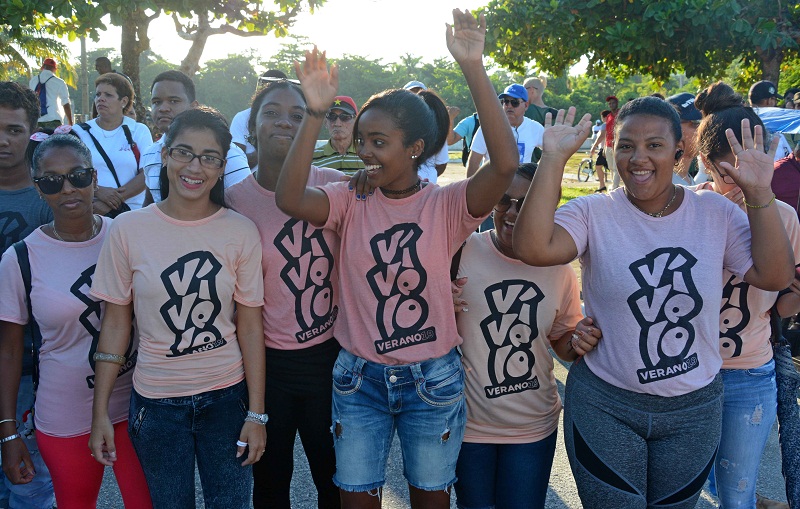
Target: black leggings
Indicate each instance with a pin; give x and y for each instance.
(298, 399)
(634, 451)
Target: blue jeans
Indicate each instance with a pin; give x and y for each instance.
(423, 401)
(169, 434)
(748, 413)
(788, 380)
(504, 476)
(37, 494)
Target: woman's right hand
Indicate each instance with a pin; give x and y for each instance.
(109, 195)
(101, 441)
(318, 83)
(561, 138)
(17, 462)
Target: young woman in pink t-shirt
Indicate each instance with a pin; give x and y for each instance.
(750, 401)
(190, 268)
(399, 368)
(63, 256)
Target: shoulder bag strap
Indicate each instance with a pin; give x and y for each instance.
(102, 152)
(25, 269)
(134, 147)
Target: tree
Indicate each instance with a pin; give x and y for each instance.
(20, 45)
(653, 37)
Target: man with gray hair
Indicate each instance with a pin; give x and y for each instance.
(537, 109)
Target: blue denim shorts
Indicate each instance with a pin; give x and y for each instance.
(423, 401)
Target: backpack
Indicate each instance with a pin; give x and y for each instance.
(465, 149)
(41, 93)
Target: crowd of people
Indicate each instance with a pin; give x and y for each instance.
(201, 300)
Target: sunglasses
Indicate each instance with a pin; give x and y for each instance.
(52, 184)
(513, 102)
(344, 117)
(270, 80)
(506, 202)
(184, 156)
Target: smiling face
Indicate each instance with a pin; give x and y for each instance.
(645, 150)
(504, 221)
(277, 120)
(192, 181)
(108, 103)
(168, 99)
(387, 161)
(71, 202)
(14, 134)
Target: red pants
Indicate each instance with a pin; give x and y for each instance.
(77, 476)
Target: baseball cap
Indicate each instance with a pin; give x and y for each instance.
(762, 90)
(685, 104)
(516, 91)
(50, 62)
(344, 103)
(415, 84)
(612, 98)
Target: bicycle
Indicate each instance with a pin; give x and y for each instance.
(586, 169)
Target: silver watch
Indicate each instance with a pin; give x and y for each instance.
(257, 418)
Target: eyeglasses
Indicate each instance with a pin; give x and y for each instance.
(184, 156)
(52, 184)
(724, 176)
(344, 117)
(506, 202)
(513, 102)
(270, 80)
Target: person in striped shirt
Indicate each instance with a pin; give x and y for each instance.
(339, 152)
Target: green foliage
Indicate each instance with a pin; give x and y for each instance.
(227, 84)
(20, 45)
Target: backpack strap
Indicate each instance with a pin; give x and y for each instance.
(23, 260)
(102, 152)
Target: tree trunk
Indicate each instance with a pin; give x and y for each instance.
(191, 64)
(770, 64)
(134, 42)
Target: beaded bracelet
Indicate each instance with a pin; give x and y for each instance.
(109, 357)
(316, 113)
(10, 438)
(760, 206)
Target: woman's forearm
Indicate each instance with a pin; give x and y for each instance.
(250, 334)
(115, 334)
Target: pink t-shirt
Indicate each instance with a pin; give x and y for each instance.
(744, 322)
(653, 286)
(515, 311)
(301, 287)
(69, 320)
(183, 278)
(396, 304)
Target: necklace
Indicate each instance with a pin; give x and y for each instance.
(95, 229)
(660, 213)
(413, 189)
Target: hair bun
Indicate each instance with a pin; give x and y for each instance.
(717, 97)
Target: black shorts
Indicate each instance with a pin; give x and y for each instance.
(601, 159)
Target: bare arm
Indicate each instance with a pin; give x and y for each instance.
(115, 334)
(250, 334)
(474, 160)
(68, 113)
(453, 112)
(292, 194)
(538, 240)
(17, 463)
(133, 187)
(440, 169)
(788, 304)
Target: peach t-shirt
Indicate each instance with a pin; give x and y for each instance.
(183, 278)
(69, 320)
(515, 311)
(301, 288)
(394, 271)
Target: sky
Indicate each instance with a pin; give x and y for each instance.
(377, 29)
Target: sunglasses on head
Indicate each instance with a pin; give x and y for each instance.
(52, 184)
(513, 102)
(506, 202)
(344, 117)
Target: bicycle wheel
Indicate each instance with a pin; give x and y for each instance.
(585, 170)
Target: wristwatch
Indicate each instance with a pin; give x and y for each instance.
(257, 418)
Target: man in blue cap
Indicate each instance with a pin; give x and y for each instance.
(527, 132)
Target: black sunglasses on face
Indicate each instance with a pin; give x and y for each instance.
(52, 184)
(506, 202)
(344, 117)
(184, 156)
(513, 102)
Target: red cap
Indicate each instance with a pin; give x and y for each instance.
(612, 98)
(50, 62)
(344, 103)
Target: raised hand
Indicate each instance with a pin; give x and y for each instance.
(754, 167)
(562, 138)
(319, 84)
(466, 37)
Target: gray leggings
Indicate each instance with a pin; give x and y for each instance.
(634, 451)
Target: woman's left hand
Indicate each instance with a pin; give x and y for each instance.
(466, 37)
(585, 337)
(754, 168)
(318, 83)
(255, 436)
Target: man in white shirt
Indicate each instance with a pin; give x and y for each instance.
(55, 109)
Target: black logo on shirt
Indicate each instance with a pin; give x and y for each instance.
(307, 274)
(12, 226)
(734, 316)
(397, 281)
(664, 307)
(90, 320)
(510, 330)
(194, 304)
